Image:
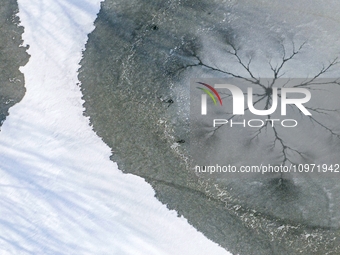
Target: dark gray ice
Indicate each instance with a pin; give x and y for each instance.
(135, 78)
(12, 56)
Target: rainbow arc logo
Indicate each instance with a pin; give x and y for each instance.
(211, 92)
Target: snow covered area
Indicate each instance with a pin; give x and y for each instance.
(60, 193)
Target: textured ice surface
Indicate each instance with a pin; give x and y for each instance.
(135, 79)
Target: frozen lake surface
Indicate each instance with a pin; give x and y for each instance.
(136, 73)
(129, 69)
